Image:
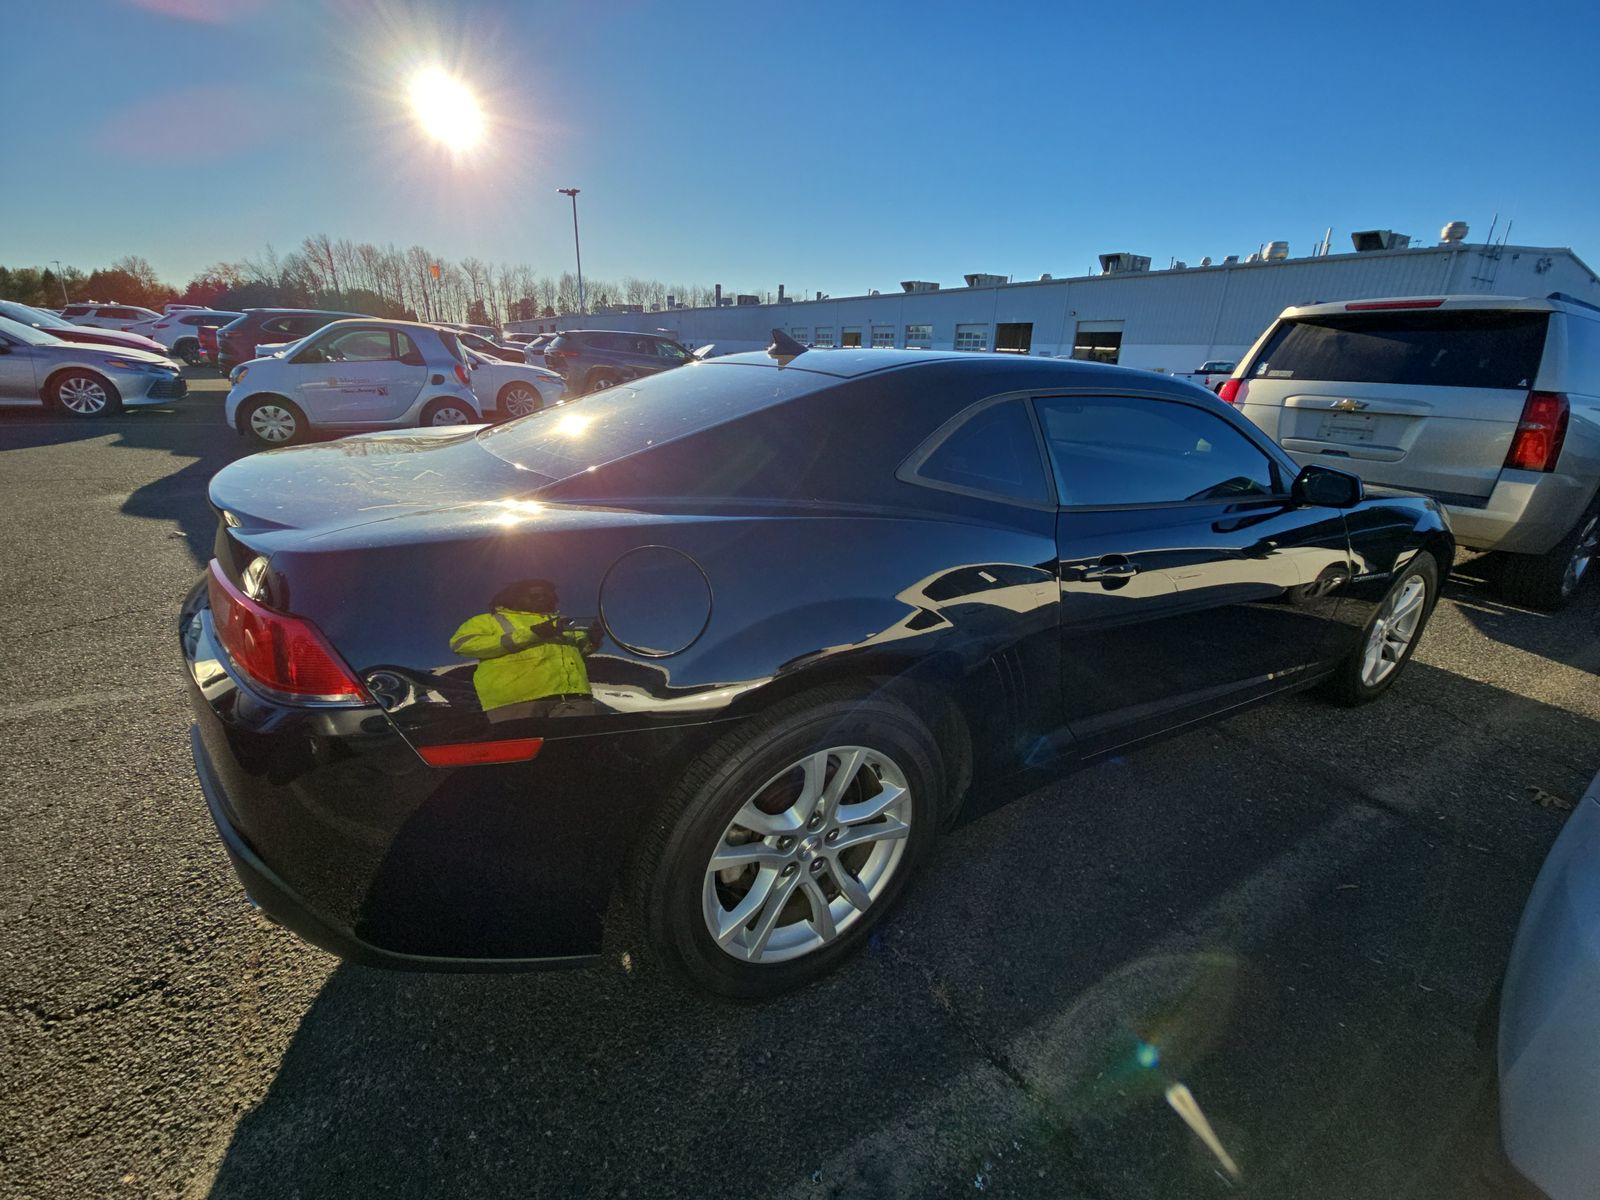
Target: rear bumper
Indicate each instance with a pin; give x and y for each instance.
(280, 902)
(1549, 1039)
(1527, 513)
(341, 833)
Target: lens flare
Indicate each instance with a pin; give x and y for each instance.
(445, 108)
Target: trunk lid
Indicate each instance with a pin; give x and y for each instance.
(358, 480)
(1424, 400)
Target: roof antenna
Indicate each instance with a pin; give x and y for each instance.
(784, 347)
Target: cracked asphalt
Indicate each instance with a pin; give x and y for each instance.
(1300, 915)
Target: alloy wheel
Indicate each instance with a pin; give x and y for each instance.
(1582, 555)
(82, 395)
(520, 401)
(807, 855)
(1393, 629)
(272, 423)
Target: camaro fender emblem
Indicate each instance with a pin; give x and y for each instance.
(1348, 405)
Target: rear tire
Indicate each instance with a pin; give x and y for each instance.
(188, 349)
(447, 411)
(80, 393)
(273, 421)
(1378, 659)
(833, 875)
(1549, 582)
(518, 400)
(599, 381)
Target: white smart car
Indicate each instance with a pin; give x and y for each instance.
(508, 389)
(353, 375)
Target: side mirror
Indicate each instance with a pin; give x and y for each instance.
(1327, 487)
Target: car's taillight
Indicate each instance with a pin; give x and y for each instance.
(561, 354)
(461, 374)
(1232, 391)
(285, 654)
(1543, 427)
(1382, 305)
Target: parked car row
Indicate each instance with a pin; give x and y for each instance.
(364, 373)
(82, 380)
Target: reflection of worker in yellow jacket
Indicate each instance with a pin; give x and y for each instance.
(527, 652)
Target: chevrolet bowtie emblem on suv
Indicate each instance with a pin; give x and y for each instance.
(1348, 405)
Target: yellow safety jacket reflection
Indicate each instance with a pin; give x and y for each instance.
(523, 656)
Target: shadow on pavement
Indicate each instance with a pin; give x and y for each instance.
(1302, 909)
(1472, 587)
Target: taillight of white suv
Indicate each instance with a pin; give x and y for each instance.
(1542, 428)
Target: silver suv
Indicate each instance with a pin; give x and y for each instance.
(1490, 404)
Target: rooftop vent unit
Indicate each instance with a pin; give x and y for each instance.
(672, 302)
(1231, 260)
(1455, 231)
(918, 285)
(981, 280)
(1179, 265)
(745, 300)
(1206, 261)
(1118, 264)
(1276, 251)
(1367, 240)
(1046, 277)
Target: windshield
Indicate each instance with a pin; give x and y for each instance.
(28, 334)
(562, 441)
(29, 315)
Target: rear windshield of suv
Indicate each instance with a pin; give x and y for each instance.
(566, 439)
(1460, 348)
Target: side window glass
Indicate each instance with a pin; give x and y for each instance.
(361, 345)
(1112, 450)
(671, 351)
(993, 451)
(409, 354)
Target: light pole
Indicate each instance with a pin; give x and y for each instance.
(577, 247)
(62, 280)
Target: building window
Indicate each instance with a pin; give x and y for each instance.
(850, 336)
(801, 334)
(1097, 345)
(824, 335)
(883, 337)
(972, 337)
(1014, 337)
(919, 337)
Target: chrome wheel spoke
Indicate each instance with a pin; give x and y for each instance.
(772, 907)
(739, 857)
(851, 888)
(731, 921)
(872, 807)
(821, 914)
(768, 824)
(887, 830)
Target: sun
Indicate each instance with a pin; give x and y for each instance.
(445, 108)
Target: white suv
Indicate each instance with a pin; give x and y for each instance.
(1489, 404)
(178, 329)
(107, 316)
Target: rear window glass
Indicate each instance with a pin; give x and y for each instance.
(994, 451)
(569, 438)
(1434, 349)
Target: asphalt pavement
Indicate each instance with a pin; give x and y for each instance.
(1300, 915)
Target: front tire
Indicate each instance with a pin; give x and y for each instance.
(1390, 636)
(599, 381)
(1549, 581)
(785, 844)
(447, 411)
(81, 393)
(273, 421)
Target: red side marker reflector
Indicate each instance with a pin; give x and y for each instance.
(1372, 305)
(477, 754)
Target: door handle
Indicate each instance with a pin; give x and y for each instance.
(1109, 570)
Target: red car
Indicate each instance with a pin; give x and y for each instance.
(43, 319)
(207, 337)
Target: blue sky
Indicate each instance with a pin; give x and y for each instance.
(827, 146)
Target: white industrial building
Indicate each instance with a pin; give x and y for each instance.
(1164, 320)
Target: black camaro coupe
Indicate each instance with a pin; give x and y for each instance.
(719, 653)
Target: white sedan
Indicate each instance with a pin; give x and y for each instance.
(511, 389)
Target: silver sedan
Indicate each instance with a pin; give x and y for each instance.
(81, 381)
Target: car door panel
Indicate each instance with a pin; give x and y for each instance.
(18, 380)
(1172, 608)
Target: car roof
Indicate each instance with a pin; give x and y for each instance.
(624, 332)
(852, 363)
